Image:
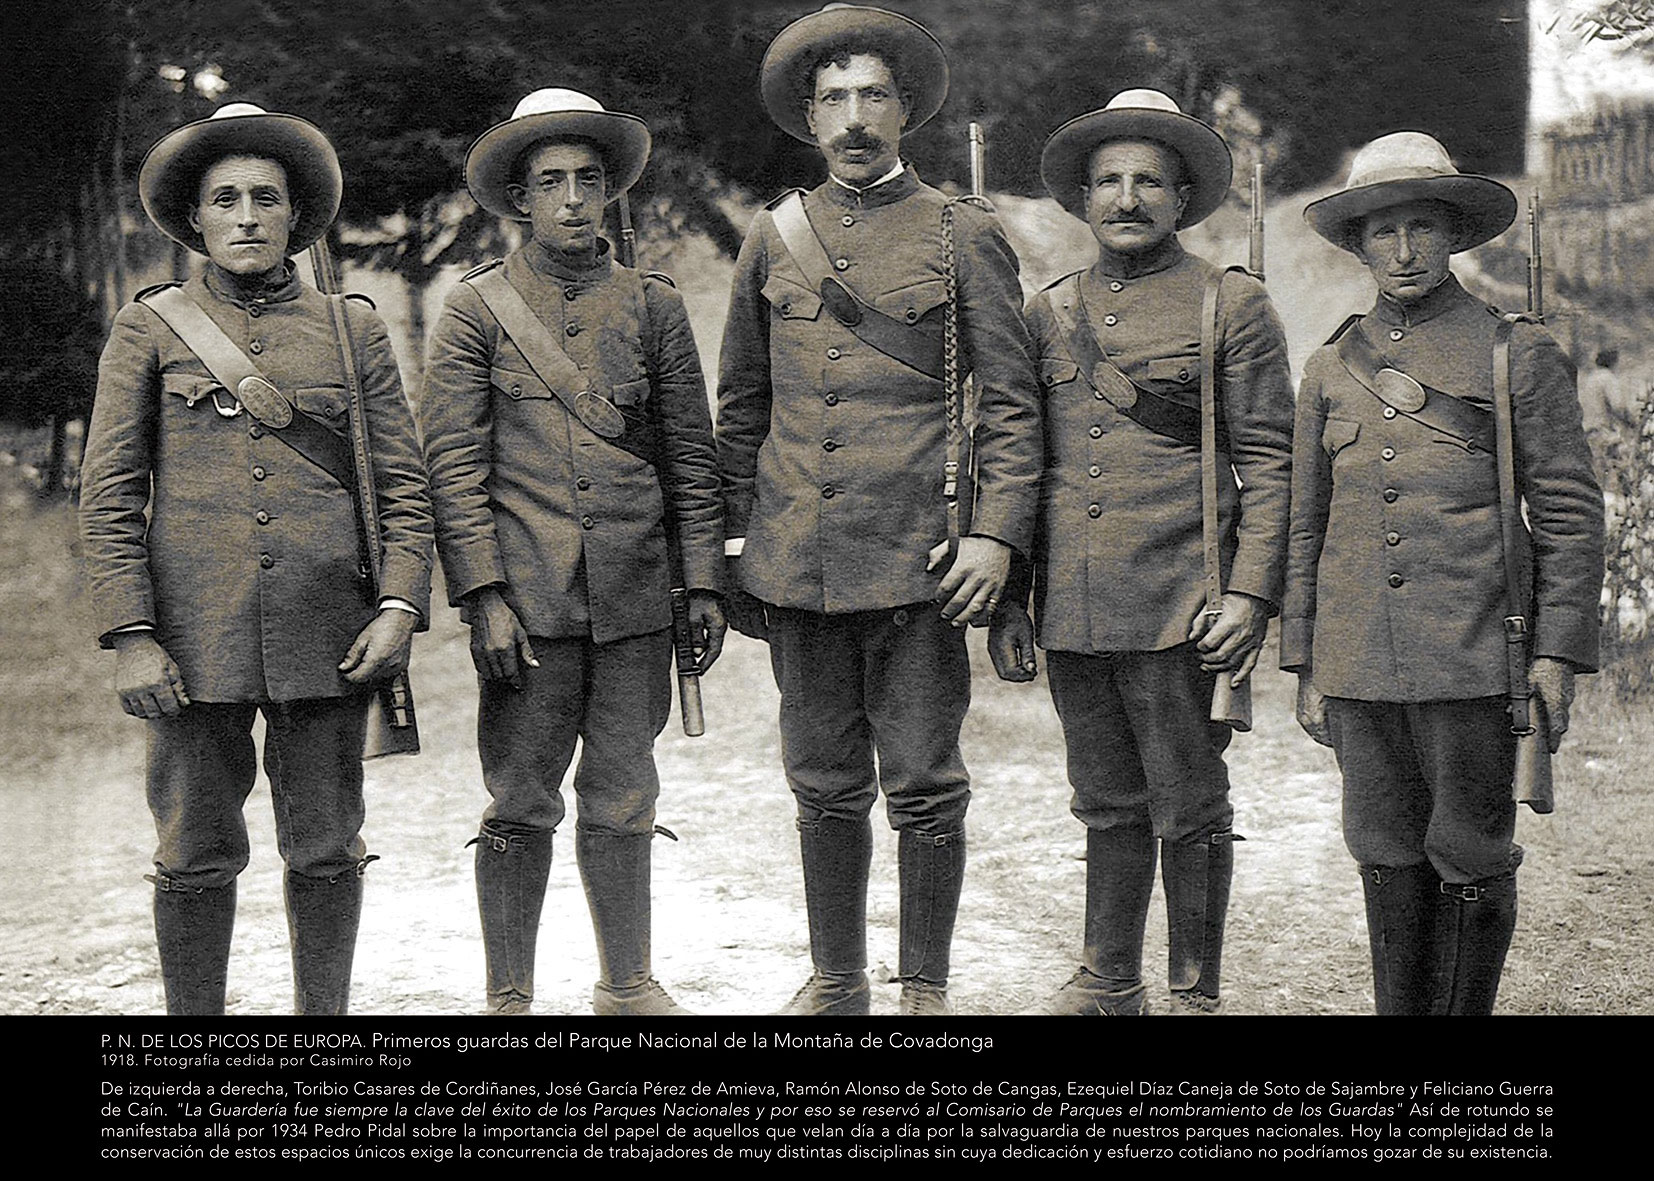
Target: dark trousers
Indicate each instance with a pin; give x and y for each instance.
(202, 765)
(891, 684)
(614, 697)
(1140, 745)
(1427, 781)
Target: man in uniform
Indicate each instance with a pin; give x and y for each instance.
(1396, 607)
(1134, 653)
(568, 437)
(247, 591)
(833, 451)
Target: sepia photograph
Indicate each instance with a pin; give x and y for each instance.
(944, 508)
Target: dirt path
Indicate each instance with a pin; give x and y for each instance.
(729, 925)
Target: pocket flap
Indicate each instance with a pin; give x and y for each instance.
(191, 387)
(631, 393)
(1055, 371)
(913, 303)
(1339, 433)
(1174, 370)
(515, 384)
(793, 300)
(325, 402)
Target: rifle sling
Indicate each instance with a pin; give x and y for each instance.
(239, 376)
(571, 384)
(1510, 522)
(1441, 412)
(1211, 559)
(894, 338)
(1162, 415)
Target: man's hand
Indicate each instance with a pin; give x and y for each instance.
(1011, 645)
(1553, 684)
(706, 628)
(148, 682)
(742, 611)
(1312, 711)
(380, 650)
(969, 592)
(1230, 640)
(498, 641)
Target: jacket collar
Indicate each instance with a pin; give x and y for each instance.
(554, 266)
(886, 192)
(1444, 296)
(234, 289)
(1163, 257)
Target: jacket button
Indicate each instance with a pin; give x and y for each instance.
(258, 473)
(1396, 580)
(266, 561)
(786, 306)
(1390, 495)
(831, 399)
(1116, 286)
(912, 315)
(828, 492)
(834, 354)
(569, 294)
(255, 311)
(582, 483)
(841, 264)
(1396, 334)
(1389, 412)
(1111, 319)
(256, 347)
(829, 444)
(1099, 394)
(1182, 375)
(1095, 471)
(847, 220)
(586, 522)
(516, 391)
(262, 517)
(1388, 453)
(1094, 511)
(573, 330)
(255, 432)
(1097, 432)
(1392, 538)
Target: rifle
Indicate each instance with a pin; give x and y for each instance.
(1531, 784)
(683, 635)
(1231, 705)
(392, 728)
(958, 481)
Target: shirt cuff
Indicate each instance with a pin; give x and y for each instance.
(733, 546)
(390, 604)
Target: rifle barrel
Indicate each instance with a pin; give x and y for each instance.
(979, 160)
(1255, 261)
(1536, 259)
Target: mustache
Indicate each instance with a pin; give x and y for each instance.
(1129, 219)
(851, 140)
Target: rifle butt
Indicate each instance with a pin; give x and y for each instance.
(1232, 706)
(689, 705)
(1531, 785)
(392, 726)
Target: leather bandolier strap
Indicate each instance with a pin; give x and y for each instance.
(243, 380)
(1442, 412)
(1510, 521)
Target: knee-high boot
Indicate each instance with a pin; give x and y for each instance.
(615, 872)
(1402, 907)
(322, 917)
(512, 869)
(931, 869)
(192, 934)
(837, 855)
(1474, 931)
(1197, 875)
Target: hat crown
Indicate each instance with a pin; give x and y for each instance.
(237, 110)
(1398, 156)
(555, 100)
(1143, 99)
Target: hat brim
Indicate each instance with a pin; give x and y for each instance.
(491, 163)
(169, 180)
(922, 60)
(1205, 156)
(1486, 207)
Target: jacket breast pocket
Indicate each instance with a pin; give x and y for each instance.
(517, 385)
(1174, 371)
(1337, 434)
(1055, 373)
(325, 404)
(914, 302)
(630, 393)
(792, 301)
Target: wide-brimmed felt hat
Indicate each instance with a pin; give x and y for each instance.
(1139, 114)
(1412, 166)
(554, 113)
(920, 65)
(169, 181)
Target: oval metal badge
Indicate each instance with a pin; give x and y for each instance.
(264, 401)
(1114, 385)
(1396, 389)
(600, 414)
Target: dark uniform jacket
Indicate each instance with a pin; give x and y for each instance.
(831, 452)
(527, 497)
(1395, 582)
(251, 566)
(1118, 554)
